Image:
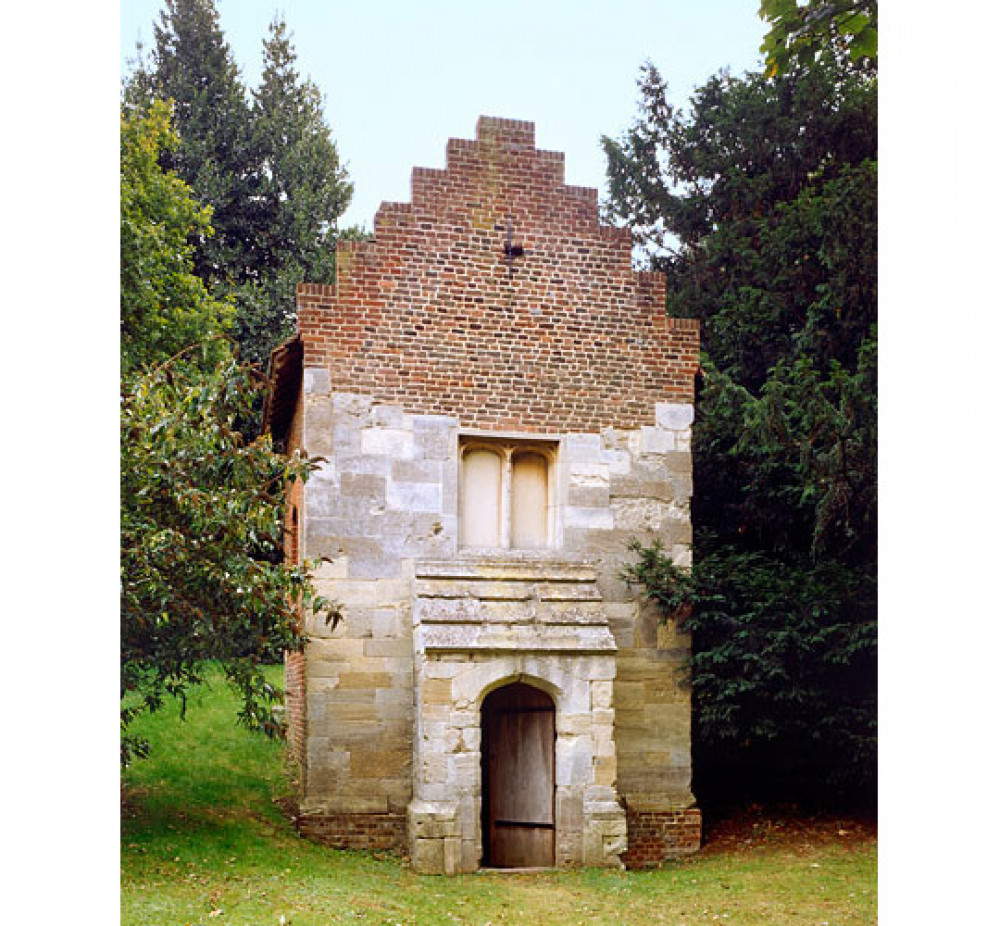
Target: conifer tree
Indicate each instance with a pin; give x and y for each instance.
(759, 202)
(193, 66)
(304, 192)
(265, 164)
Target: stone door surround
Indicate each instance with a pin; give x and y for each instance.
(482, 624)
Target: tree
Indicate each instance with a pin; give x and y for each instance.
(192, 66)
(201, 571)
(760, 205)
(266, 165)
(306, 187)
(305, 190)
(164, 306)
(799, 35)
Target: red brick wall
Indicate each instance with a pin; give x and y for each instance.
(295, 664)
(355, 830)
(295, 705)
(655, 836)
(429, 315)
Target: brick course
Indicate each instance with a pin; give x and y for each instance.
(295, 705)
(385, 831)
(656, 836)
(430, 315)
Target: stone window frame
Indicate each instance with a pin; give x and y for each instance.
(507, 446)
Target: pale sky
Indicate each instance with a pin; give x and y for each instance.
(400, 78)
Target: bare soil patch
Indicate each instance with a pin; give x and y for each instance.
(755, 828)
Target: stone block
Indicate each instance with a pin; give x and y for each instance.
(573, 724)
(351, 404)
(463, 769)
(345, 438)
(427, 856)
(365, 680)
(394, 591)
(364, 485)
(569, 809)
(316, 380)
(437, 691)
(394, 649)
(587, 496)
(385, 622)
(368, 559)
(416, 470)
(582, 444)
(601, 694)
(414, 496)
(386, 416)
(341, 712)
(600, 519)
(640, 514)
(589, 473)
(593, 542)
(470, 855)
(363, 464)
(380, 763)
(681, 488)
(435, 436)
(675, 416)
(657, 440)
(396, 703)
(680, 462)
(619, 462)
(389, 442)
(434, 827)
(605, 770)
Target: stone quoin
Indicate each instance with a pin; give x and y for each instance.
(501, 403)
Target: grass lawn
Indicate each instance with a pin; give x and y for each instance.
(204, 843)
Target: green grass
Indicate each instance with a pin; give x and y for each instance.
(204, 843)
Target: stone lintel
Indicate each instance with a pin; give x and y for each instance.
(525, 638)
(536, 568)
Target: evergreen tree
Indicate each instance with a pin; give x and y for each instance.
(769, 186)
(304, 190)
(267, 167)
(306, 187)
(192, 66)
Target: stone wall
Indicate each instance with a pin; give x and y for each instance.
(383, 511)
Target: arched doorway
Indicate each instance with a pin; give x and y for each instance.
(518, 755)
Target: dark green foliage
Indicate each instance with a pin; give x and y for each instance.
(192, 66)
(783, 670)
(760, 205)
(264, 162)
(201, 565)
(304, 191)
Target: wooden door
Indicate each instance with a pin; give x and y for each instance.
(519, 736)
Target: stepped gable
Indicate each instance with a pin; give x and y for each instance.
(496, 296)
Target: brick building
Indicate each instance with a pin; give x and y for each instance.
(502, 403)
